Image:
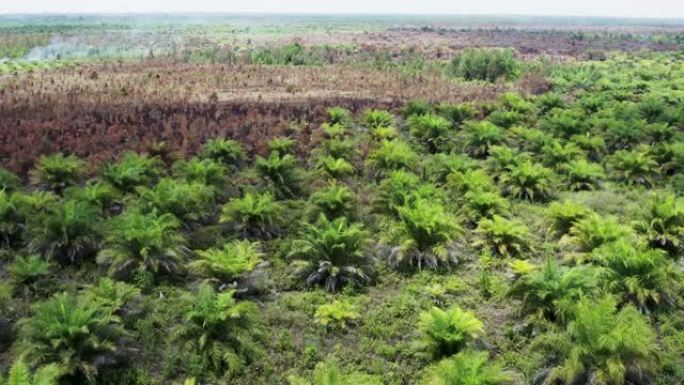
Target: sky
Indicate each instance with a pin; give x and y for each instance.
(621, 8)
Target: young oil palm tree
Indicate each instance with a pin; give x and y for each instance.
(505, 118)
(446, 332)
(133, 170)
(27, 270)
(430, 130)
(227, 152)
(594, 231)
(205, 171)
(564, 122)
(593, 145)
(116, 297)
(281, 172)
(528, 181)
(282, 146)
(57, 172)
(224, 332)
(20, 210)
(402, 188)
(328, 373)
(556, 152)
(12, 219)
(550, 292)
(336, 167)
(437, 167)
(99, 194)
(186, 201)
(9, 182)
(647, 278)
(338, 148)
(334, 131)
(379, 134)
(391, 156)
(481, 136)
(457, 113)
(663, 222)
(228, 263)
(416, 108)
(633, 167)
(504, 237)
(334, 201)
(530, 140)
(425, 234)
(254, 215)
(620, 132)
(582, 175)
(548, 101)
(604, 345)
(483, 204)
(339, 115)
(466, 368)
(66, 232)
(335, 253)
(472, 180)
(502, 158)
(76, 334)
(564, 215)
(137, 242)
(671, 157)
(377, 118)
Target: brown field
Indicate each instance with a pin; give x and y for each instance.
(444, 42)
(98, 111)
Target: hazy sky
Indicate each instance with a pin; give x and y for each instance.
(635, 8)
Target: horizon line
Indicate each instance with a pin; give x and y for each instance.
(317, 13)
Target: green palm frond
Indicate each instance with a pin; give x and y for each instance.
(606, 344)
(594, 230)
(449, 331)
(392, 155)
(335, 251)
(255, 215)
(550, 290)
(633, 167)
(334, 201)
(424, 234)
(282, 172)
(133, 170)
(466, 368)
(504, 237)
(57, 172)
(227, 152)
(220, 329)
(481, 136)
(234, 259)
(336, 167)
(528, 181)
(142, 242)
(187, 201)
(432, 131)
(66, 232)
(202, 171)
(646, 278)
(71, 332)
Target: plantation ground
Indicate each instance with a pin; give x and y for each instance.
(364, 202)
